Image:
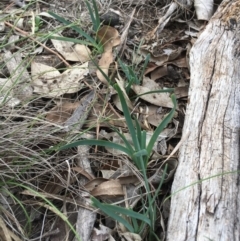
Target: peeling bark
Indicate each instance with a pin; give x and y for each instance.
(210, 209)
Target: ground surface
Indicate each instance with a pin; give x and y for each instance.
(52, 94)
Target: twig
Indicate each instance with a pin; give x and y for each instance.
(6, 8)
(49, 233)
(64, 200)
(44, 46)
(120, 48)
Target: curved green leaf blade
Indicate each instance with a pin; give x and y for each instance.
(93, 14)
(112, 214)
(163, 124)
(169, 90)
(72, 40)
(128, 118)
(53, 208)
(145, 65)
(125, 211)
(128, 145)
(97, 143)
(73, 26)
(141, 153)
(138, 132)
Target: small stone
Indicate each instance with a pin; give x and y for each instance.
(20, 3)
(110, 18)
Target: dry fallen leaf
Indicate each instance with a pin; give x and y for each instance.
(109, 38)
(18, 82)
(181, 92)
(101, 234)
(49, 60)
(114, 137)
(131, 236)
(94, 183)
(4, 232)
(106, 118)
(107, 173)
(6, 94)
(116, 99)
(72, 52)
(158, 99)
(163, 20)
(60, 113)
(104, 63)
(104, 187)
(49, 82)
(79, 116)
(169, 53)
(111, 188)
(159, 72)
(155, 115)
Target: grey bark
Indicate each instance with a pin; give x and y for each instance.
(210, 208)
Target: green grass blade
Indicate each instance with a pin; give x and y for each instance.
(139, 132)
(163, 124)
(91, 15)
(143, 139)
(128, 118)
(73, 40)
(154, 216)
(142, 152)
(128, 145)
(124, 69)
(112, 214)
(54, 209)
(97, 18)
(131, 213)
(73, 26)
(125, 211)
(160, 185)
(97, 143)
(154, 237)
(139, 156)
(135, 225)
(144, 66)
(133, 76)
(133, 79)
(28, 224)
(94, 15)
(169, 90)
(60, 19)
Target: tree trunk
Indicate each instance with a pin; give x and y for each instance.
(209, 157)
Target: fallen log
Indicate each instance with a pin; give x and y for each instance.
(207, 207)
